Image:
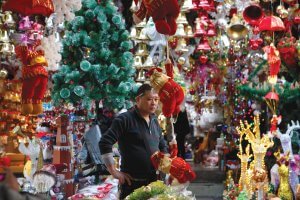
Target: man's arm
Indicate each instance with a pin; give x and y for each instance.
(108, 139)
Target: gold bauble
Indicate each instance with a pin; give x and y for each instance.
(181, 60)
(3, 73)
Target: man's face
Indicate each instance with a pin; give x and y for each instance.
(148, 102)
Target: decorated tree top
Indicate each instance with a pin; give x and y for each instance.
(96, 58)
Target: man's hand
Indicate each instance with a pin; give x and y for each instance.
(10, 179)
(122, 177)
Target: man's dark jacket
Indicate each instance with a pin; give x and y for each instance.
(128, 129)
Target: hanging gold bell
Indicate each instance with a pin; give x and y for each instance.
(3, 73)
(211, 30)
(282, 12)
(236, 30)
(134, 7)
(181, 46)
(142, 35)
(180, 31)
(133, 33)
(203, 45)
(181, 19)
(187, 5)
(5, 49)
(181, 60)
(189, 31)
(7, 19)
(142, 24)
(142, 49)
(141, 75)
(148, 62)
(11, 48)
(137, 62)
(4, 36)
(200, 28)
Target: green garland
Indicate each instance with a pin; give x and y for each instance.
(257, 69)
(285, 92)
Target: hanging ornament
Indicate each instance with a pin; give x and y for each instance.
(272, 99)
(65, 93)
(282, 12)
(86, 52)
(79, 90)
(271, 23)
(8, 20)
(274, 62)
(253, 14)
(3, 73)
(255, 43)
(236, 29)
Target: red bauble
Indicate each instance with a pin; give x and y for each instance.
(173, 43)
(192, 91)
(203, 59)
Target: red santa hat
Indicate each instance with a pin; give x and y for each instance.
(181, 170)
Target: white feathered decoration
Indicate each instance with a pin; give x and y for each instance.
(65, 9)
(52, 47)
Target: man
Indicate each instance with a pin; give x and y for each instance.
(139, 136)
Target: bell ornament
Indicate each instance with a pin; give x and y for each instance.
(236, 30)
(199, 28)
(142, 35)
(142, 49)
(189, 32)
(253, 14)
(142, 24)
(180, 31)
(4, 36)
(211, 30)
(149, 62)
(141, 76)
(137, 62)
(181, 46)
(181, 19)
(134, 7)
(203, 45)
(7, 19)
(187, 5)
(133, 33)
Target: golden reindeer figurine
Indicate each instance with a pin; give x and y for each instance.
(245, 182)
(259, 146)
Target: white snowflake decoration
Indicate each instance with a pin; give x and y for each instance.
(64, 10)
(52, 47)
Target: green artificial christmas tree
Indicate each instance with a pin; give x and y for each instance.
(96, 59)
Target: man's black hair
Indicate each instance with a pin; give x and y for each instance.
(143, 89)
